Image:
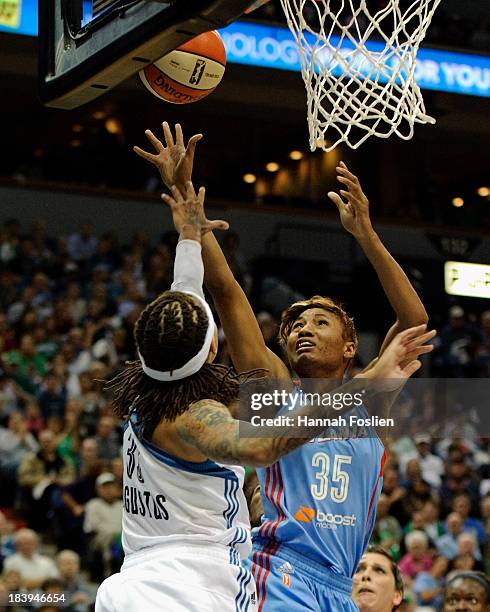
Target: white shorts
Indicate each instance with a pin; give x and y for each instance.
(178, 578)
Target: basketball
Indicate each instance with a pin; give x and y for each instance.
(190, 72)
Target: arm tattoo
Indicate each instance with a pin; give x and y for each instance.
(208, 426)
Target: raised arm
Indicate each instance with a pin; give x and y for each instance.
(354, 215)
(209, 427)
(246, 343)
(248, 350)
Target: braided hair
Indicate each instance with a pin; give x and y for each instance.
(168, 333)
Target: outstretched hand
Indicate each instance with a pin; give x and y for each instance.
(188, 210)
(174, 161)
(354, 213)
(400, 360)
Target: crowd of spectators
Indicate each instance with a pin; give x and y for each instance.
(67, 310)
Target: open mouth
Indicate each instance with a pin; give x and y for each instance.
(365, 590)
(304, 345)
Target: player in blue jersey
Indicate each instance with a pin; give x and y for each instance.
(319, 502)
(185, 522)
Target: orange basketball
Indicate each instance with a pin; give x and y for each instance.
(190, 72)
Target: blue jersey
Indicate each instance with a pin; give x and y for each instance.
(320, 500)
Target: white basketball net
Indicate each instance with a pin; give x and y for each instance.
(353, 91)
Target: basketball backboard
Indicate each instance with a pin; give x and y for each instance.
(86, 47)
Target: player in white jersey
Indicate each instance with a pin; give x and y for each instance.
(185, 521)
(185, 525)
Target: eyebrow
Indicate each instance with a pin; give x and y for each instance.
(362, 565)
(316, 316)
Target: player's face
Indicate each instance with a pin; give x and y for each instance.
(465, 595)
(316, 345)
(374, 587)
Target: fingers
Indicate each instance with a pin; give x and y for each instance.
(412, 332)
(191, 145)
(178, 197)
(344, 171)
(412, 367)
(354, 192)
(144, 154)
(169, 139)
(336, 199)
(179, 137)
(215, 225)
(168, 200)
(201, 195)
(351, 181)
(420, 340)
(190, 191)
(154, 140)
(416, 353)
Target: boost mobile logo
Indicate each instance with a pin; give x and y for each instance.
(326, 520)
(198, 72)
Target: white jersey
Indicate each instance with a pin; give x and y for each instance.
(168, 500)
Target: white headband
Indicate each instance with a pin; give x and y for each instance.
(195, 363)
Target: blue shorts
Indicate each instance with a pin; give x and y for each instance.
(289, 582)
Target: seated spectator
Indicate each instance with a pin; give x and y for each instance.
(467, 545)
(377, 584)
(11, 395)
(428, 587)
(417, 490)
(54, 423)
(15, 309)
(417, 559)
(79, 594)
(33, 567)
(462, 505)
(103, 519)
(41, 475)
(269, 327)
(82, 245)
(91, 404)
(16, 443)
(12, 581)
(396, 494)
(387, 531)
(75, 304)
(458, 480)
(108, 444)
(431, 466)
(467, 591)
(483, 352)
(34, 420)
(466, 563)
(76, 495)
(26, 365)
(447, 544)
(434, 528)
(68, 441)
(53, 589)
(52, 398)
(485, 508)
(458, 342)
(417, 522)
(7, 541)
